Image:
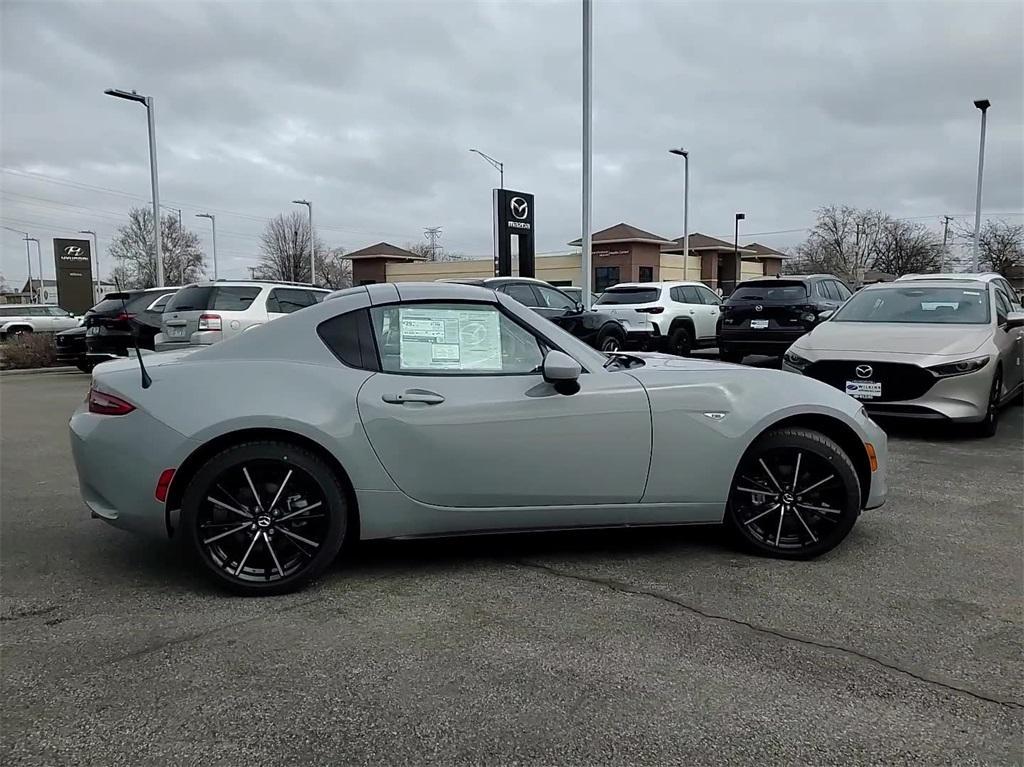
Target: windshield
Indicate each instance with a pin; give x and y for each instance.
(776, 290)
(940, 305)
(629, 296)
(190, 299)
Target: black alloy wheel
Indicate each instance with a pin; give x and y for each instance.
(795, 495)
(680, 342)
(610, 340)
(988, 426)
(265, 517)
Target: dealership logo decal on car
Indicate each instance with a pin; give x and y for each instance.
(864, 371)
(758, 308)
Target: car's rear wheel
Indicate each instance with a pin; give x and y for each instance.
(85, 367)
(795, 495)
(611, 339)
(990, 424)
(265, 517)
(680, 341)
(730, 355)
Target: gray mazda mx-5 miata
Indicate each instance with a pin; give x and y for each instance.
(408, 410)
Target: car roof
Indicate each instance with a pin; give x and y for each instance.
(962, 282)
(660, 284)
(978, 276)
(495, 280)
(255, 284)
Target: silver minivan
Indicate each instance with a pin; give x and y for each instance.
(208, 312)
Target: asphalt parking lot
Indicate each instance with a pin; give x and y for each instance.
(903, 646)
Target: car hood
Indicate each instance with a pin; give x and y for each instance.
(892, 337)
(669, 362)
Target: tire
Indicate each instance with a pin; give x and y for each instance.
(16, 333)
(730, 355)
(247, 557)
(611, 339)
(85, 367)
(680, 341)
(989, 425)
(788, 524)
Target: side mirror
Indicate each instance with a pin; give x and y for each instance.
(822, 316)
(1014, 320)
(579, 308)
(562, 372)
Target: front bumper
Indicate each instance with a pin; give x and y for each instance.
(879, 489)
(119, 460)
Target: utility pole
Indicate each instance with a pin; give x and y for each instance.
(945, 239)
(983, 105)
(588, 117)
(252, 272)
(433, 233)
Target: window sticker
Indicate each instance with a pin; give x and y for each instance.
(449, 339)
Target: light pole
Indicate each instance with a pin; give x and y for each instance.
(147, 101)
(983, 105)
(39, 260)
(496, 164)
(96, 254)
(213, 222)
(312, 241)
(176, 210)
(28, 255)
(736, 250)
(686, 206)
(588, 92)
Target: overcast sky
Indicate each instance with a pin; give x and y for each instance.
(370, 108)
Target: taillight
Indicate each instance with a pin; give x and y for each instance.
(124, 317)
(651, 309)
(209, 322)
(107, 404)
(163, 485)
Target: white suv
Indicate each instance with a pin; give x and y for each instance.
(19, 319)
(685, 314)
(207, 312)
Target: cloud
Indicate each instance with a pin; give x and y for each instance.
(369, 110)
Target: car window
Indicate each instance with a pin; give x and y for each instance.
(160, 303)
(629, 295)
(781, 291)
(453, 339)
(689, 294)
(554, 299)
(522, 293)
(906, 303)
(350, 339)
(319, 295)
(288, 300)
(56, 311)
(234, 298)
(37, 311)
(708, 296)
(1003, 307)
(194, 298)
(842, 290)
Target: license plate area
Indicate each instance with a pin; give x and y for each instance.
(758, 324)
(175, 332)
(864, 389)
(93, 331)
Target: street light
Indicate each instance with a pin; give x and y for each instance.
(496, 164)
(686, 206)
(983, 105)
(39, 258)
(96, 253)
(28, 255)
(178, 211)
(587, 256)
(147, 101)
(213, 222)
(312, 241)
(736, 250)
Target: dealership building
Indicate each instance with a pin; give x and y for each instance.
(621, 253)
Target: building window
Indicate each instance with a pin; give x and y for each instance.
(605, 277)
(646, 274)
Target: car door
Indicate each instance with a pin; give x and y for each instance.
(1010, 343)
(559, 308)
(694, 308)
(460, 415)
(712, 309)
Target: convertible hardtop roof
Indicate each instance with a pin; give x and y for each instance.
(390, 292)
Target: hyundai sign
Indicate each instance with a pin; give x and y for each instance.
(73, 263)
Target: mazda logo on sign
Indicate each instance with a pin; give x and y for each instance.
(72, 250)
(519, 208)
(864, 371)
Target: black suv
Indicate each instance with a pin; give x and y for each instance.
(766, 315)
(597, 329)
(110, 323)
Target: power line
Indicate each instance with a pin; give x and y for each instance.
(432, 233)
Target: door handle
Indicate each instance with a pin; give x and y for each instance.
(413, 395)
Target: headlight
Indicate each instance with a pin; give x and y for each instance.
(960, 368)
(809, 317)
(795, 360)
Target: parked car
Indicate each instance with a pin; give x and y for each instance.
(110, 324)
(602, 330)
(70, 345)
(943, 349)
(576, 293)
(426, 409)
(20, 319)
(766, 315)
(208, 312)
(999, 281)
(684, 314)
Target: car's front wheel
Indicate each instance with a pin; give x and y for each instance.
(795, 495)
(990, 423)
(611, 339)
(265, 517)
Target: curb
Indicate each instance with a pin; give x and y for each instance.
(27, 371)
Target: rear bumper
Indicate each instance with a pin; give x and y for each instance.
(641, 340)
(758, 341)
(108, 346)
(119, 460)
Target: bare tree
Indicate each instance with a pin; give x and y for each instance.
(902, 247)
(1000, 245)
(134, 251)
(333, 270)
(284, 248)
(841, 241)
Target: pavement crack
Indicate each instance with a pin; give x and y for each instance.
(625, 588)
